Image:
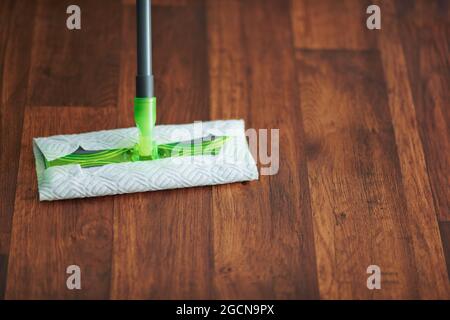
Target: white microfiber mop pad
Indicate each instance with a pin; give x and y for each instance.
(234, 162)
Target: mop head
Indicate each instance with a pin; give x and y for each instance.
(189, 155)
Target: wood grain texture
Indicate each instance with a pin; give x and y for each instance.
(444, 228)
(15, 46)
(348, 129)
(364, 150)
(75, 67)
(424, 33)
(330, 24)
(3, 274)
(49, 236)
(421, 213)
(162, 240)
(262, 240)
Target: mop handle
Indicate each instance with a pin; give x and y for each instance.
(145, 101)
(144, 78)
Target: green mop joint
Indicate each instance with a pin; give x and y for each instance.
(145, 117)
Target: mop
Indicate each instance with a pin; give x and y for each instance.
(147, 157)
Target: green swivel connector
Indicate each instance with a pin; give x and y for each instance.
(145, 117)
(145, 101)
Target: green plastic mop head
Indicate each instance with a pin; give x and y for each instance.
(210, 145)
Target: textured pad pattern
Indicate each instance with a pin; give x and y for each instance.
(234, 162)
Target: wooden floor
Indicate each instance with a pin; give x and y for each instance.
(364, 150)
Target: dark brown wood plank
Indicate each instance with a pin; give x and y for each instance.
(128, 66)
(424, 28)
(47, 237)
(3, 274)
(263, 241)
(421, 212)
(75, 67)
(15, 44)
(6, 10)
(358, 202)
(162, 240)
(331, 24)
(445, 235)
